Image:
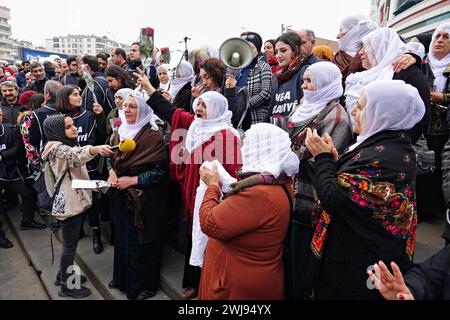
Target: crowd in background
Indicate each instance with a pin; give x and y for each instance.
(285, 180)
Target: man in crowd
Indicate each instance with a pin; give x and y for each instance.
(100, 83)
(135, 62)
(10, 102)
(11, 149)
(71, 77)
(119, 58)
(38, 71)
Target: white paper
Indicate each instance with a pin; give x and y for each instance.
(90, 184)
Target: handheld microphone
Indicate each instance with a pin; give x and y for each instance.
(125, 146)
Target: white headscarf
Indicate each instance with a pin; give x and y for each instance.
(438, 66)
(218, 119)
(383, 46)
(124, 93)
(416, 48)
(355, 28)
(391, 105)
(165, 67)
(184, 75)
(267, 149)
(327, 79)
(144, 116)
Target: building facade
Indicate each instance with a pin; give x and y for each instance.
(410, 17)
(6, 43)
(82, 44)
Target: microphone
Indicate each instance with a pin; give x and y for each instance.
(126, 146)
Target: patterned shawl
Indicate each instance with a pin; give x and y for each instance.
(379, 177)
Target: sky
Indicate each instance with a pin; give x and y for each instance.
(206, 22)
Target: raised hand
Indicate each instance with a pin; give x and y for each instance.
(391, 286)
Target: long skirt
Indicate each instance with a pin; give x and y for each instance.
(136, 265)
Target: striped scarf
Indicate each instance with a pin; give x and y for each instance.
(288, 72)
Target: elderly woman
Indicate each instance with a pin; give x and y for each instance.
(140, 179)
(381, 48)
(113, 121)
(321, 111)
(206, 136)
(367, 197)
(180, 89)
(243, 261)
(352, 30)
(163, 75)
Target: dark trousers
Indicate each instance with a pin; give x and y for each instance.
(27, 194)
(71, 235)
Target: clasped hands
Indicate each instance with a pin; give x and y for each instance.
(317, 145)
(121, 183)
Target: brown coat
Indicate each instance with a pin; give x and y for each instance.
(243, 259)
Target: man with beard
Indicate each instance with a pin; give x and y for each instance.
(38, 71)
(10, 102)
(135, 62)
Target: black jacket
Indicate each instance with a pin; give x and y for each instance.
(11, 149)
(414, 76)
(11, 112)
(70, 79)
(430, 280)
(152, 73)
(37, 86)
(100, 86)
(37, 137)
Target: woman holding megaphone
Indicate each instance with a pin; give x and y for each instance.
(139, 179)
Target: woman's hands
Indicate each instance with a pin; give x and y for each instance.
(391, 286)
(104, 151)
(97, 109)
(437, 97)
(231, 82)
(210, 177)
(121, 183)
(197, 91)
(166, 95)
(404, 62)
(144, 82)
(126, 182)
(317, 145)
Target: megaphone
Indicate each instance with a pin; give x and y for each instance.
(236, 54)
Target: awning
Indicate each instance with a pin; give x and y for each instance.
(406, 5)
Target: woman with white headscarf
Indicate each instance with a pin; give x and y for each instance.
(351, 32)
(381, 48)
(320, 110)
(113, 121)
(207, 135)
(139, 182)
(243, 259)
(163, 75)
(367, 197)
(434, 202)
(180, 89)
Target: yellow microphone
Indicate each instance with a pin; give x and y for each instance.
(126, 146)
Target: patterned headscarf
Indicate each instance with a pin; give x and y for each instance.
(54, 130)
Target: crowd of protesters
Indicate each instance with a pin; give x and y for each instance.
(285, 180)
